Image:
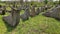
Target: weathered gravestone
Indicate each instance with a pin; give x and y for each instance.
(40, 9)
(55, 13)
(47, 7)
(13, 19)
(32, 12)
(2, 10)
(26, 14)
(21, 2)
(37, 11)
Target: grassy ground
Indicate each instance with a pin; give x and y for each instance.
(36, 25)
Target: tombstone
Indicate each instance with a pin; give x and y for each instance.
(48, 12)
(13, 19)
(47, 7)
(2, 10)
(32, 12)
(37, 11)
(42, 8)
(55, 13)
(21, 2)
(27, 10)
(22, 7)
(26, 15)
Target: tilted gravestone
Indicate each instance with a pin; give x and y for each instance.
(37, 11)
(32, 12)
(55, 13)
(2, 10)
(13, 19)
(21, 2)
(40, 9)
(45, 7)
(26, 14)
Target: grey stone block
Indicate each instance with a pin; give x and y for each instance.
(55, 13)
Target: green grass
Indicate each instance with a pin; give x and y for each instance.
(36, 25)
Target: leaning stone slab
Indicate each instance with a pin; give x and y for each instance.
(26, 15)
(13, 19)
(2, 11)
(55, 13)
(32, 12)
(39, 10)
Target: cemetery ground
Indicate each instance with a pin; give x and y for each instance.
(37, 25)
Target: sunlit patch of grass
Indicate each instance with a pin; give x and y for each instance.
(40, 24)
(22, 12)
(2, 26)
(36, 25)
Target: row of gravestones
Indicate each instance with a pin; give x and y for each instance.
(33, 11)
(14, 18)
(54, 12)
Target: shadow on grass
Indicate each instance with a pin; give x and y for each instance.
(9, 28)
(57, 19)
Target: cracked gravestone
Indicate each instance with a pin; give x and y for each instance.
(55, 13)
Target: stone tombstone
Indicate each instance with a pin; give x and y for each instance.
(13, 19)
(32, 12)
(26, 14)
(47, 7)
(42, 8)
(55, 13)
(37, 11)
(2, 10)
(21, 2)
(27, 10)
